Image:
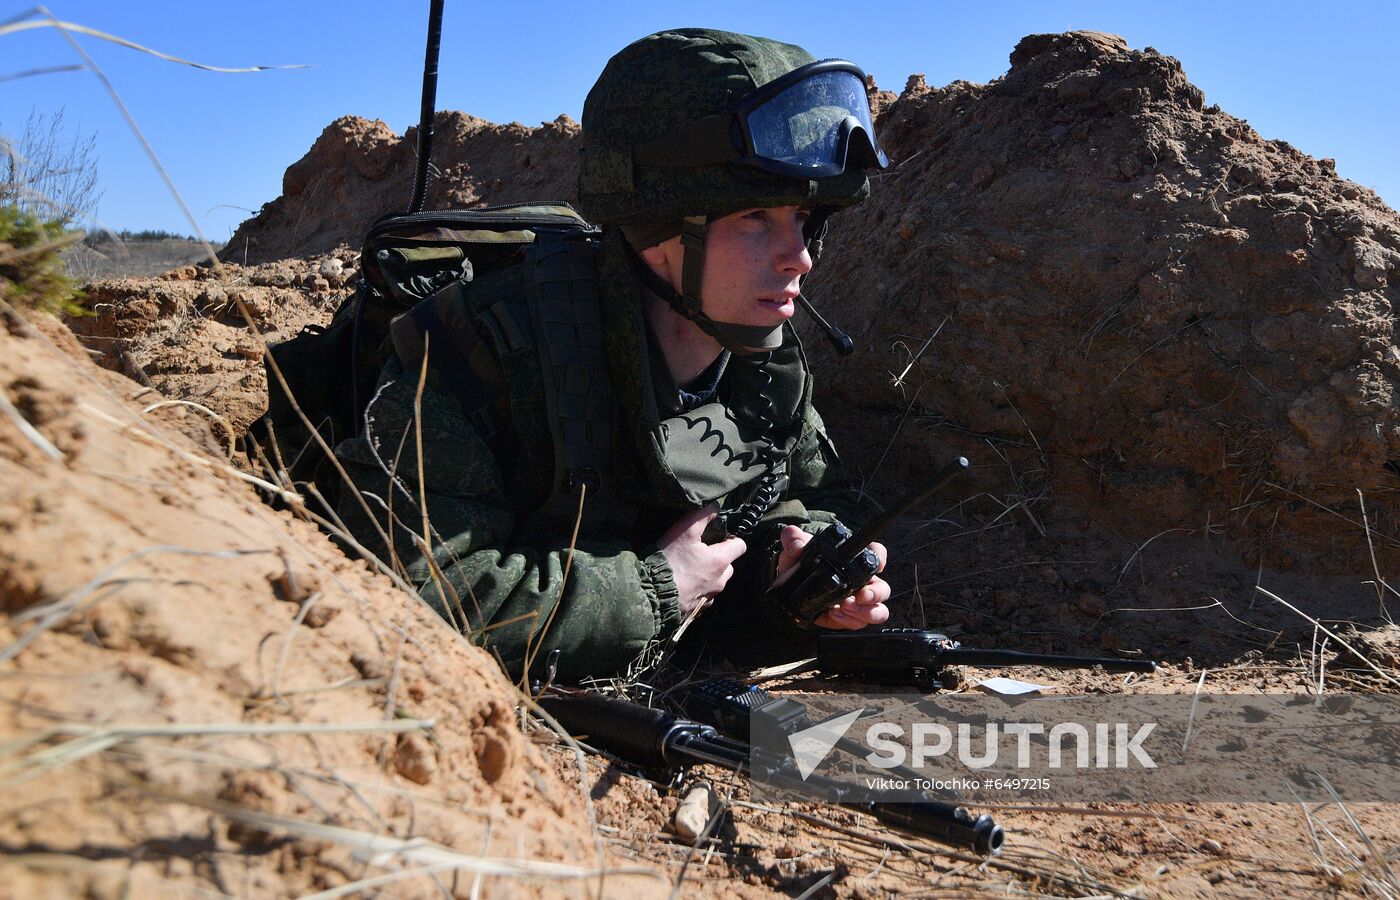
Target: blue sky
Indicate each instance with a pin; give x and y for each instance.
(1322, 76)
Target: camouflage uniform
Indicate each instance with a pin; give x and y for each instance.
(505, 565)
(504, 569)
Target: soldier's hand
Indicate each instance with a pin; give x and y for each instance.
(701, 570)
(864, 607)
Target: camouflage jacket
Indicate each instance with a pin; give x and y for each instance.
(502, 568)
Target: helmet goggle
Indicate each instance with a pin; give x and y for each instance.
(809, 123)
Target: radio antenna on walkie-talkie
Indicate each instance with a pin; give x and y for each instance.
(425, 118)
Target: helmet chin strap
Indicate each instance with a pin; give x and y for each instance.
(732, 336)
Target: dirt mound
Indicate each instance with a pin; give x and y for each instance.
(1142, 346)
(1158, 319)
(359, 170)
(1155, 318)
(201, 693)
(184, 335)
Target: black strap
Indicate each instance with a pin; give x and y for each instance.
(692, 264)
(564, 307)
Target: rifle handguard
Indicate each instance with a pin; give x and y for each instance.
(657, 740)
(628, 730)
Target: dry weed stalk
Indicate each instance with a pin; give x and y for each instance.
(532, 652)
(230, 433)
(67, 30)
(581, 762)
(31, 433)
(415, 854)
(86, 740)
(445, 590)
(1365, 526)
(1370, 875)
(47, 615)
(897, 381)
(1381, 585)
(1331, 634)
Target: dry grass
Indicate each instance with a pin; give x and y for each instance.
(31, 757)
(1346, 859)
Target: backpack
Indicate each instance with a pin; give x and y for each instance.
(412, 264)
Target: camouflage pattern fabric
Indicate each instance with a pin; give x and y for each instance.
(497, 568)
(658, 85)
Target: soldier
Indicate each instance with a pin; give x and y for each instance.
(713, 160)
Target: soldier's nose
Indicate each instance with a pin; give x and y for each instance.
(792, 256)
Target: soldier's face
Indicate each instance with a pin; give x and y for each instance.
(754, 263)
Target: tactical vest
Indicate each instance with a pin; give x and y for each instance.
(420, 292)
(417, 271)
(548, 343)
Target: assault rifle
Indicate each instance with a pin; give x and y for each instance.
(658, 740)
(920, 657)
(837, 562)
(747, 712)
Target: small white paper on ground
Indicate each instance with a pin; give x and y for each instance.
(1011, 686)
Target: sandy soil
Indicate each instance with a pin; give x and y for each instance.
(193, 684)
(1168, 344)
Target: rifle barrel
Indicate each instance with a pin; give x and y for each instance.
(956, 826)
(654, 738)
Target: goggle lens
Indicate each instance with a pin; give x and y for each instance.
(809, 125)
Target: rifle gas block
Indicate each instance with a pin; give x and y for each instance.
(918, 657)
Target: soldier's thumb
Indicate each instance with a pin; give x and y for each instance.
(697, 521)
(793, 540)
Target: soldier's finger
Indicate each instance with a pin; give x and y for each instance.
(835, 618)
(876, 590)
(793, 539)
(733, 547)
(880, 552)
(695, 521)
(878, 614)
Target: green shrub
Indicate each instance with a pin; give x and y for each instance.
(31, 273)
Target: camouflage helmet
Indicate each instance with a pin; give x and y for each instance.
(658, 88)
(690, 125)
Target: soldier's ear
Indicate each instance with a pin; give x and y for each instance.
(665, 259)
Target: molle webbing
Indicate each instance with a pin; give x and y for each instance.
(564, 306)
